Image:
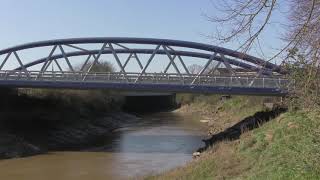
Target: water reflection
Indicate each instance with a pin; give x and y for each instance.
(159, 142)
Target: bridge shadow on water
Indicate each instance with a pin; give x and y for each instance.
(249, 123)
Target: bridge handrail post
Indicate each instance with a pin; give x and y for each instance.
(19, 74)
(153, 78)
(6, 75)
(67, 76)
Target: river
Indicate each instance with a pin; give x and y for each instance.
(157, 143)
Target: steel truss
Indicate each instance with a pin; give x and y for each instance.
(231, 60)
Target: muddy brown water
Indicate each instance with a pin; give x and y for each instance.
(159, 142)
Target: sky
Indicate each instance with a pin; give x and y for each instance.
(36, 20)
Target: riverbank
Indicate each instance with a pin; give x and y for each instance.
(158, 142)
(33, 124)
(285, 146)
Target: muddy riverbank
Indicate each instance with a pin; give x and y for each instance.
(23, 143)
(155, 143)
(32, 125)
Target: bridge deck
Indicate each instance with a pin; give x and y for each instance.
(152, 82)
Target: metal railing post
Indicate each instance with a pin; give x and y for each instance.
(231, 82)
(279, 82)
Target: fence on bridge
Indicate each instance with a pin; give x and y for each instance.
(149, 78)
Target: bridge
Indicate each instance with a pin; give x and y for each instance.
(69, 63)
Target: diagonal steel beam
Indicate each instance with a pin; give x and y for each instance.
(181, 60)
(184, 65)
(132, 55)
(169, 64)
(79, 48)
(48, 58)
(96, 58)
(215, 68)
(257, 76)
(148, 63)
(171, 60)
(229, 67)
(5, 60)
(127, 61)
(47, 66)
(21, 64)
(135, 56)
(138, 60)
(58, 66)
(76, 47)
(66, 58)
(227, 64)
(86, 62)
(118, 61)
(213, 56)
(122, 46)
(174, 57)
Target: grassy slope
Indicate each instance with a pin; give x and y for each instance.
(222, 114)
(285, 148)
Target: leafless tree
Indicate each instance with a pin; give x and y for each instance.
(194, 68)
(245, 21)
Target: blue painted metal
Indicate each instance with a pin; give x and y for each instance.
(144, 51)
(148, 87)
(167, 42)
(20, 77)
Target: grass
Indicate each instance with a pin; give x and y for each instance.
(222, 114)
(284, 148)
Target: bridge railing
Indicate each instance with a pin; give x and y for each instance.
(149, 78)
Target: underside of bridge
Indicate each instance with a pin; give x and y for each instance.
(149, 102)
(139, 64)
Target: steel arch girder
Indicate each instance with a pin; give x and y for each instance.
(143, 51)
(148, 41)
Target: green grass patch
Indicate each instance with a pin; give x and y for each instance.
(284, 148)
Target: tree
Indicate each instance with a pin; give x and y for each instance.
(103, 66)
(194, 68)
(245, 21)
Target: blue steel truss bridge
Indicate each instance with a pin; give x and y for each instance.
(69, 63)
